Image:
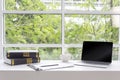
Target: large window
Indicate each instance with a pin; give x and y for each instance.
(53, 26)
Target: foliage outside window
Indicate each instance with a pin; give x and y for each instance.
(46, 28)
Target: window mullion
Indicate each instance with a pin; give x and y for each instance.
(1, 29)
(63, 26)
(47, 45)
(64, 11)
(32, 12)
(119, 46)
(32, 45)
(91, 12)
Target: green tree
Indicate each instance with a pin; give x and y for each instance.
(91, 27)
(45, 28)
(31, 28)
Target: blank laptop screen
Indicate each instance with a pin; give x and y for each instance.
(97, 51)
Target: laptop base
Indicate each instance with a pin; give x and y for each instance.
(93, 64)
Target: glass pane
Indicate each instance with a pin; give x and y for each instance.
(115, 53)
(79, 28)
(77, 52)
(115, 3)
(91, 5)
(45, 53)
(35, 5)
(30, 28)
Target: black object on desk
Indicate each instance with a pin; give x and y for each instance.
(97, 51)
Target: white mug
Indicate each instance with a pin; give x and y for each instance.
(65, 57)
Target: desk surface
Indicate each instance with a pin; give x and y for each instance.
(115, 66)
(23, 72)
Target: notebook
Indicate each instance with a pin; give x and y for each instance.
(96, 54)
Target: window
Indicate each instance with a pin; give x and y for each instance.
(52, 26)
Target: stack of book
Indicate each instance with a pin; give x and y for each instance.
(16, 57)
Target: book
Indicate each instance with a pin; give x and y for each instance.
(18, 61)
(22, 54)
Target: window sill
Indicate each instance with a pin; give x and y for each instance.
(115, 66)
(23, 72)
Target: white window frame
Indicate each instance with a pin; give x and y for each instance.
(62, 12)
(1, 29)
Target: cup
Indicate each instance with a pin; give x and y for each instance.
(65, 57)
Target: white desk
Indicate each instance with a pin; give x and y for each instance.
(115, 66)
(23, 72)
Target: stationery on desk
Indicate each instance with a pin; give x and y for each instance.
(48, 67)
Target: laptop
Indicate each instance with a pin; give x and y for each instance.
(96, 54)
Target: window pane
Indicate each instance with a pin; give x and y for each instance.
(79, 28)
(35, 5)
(77, 52)
(115, 53)
(34, 29)
(91, 5)
(115, 3)
(45, 53)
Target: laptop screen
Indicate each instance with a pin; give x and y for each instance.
(97, 51)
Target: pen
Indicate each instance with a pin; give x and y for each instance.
(34, 67)
(59, 68)
(49, 65)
